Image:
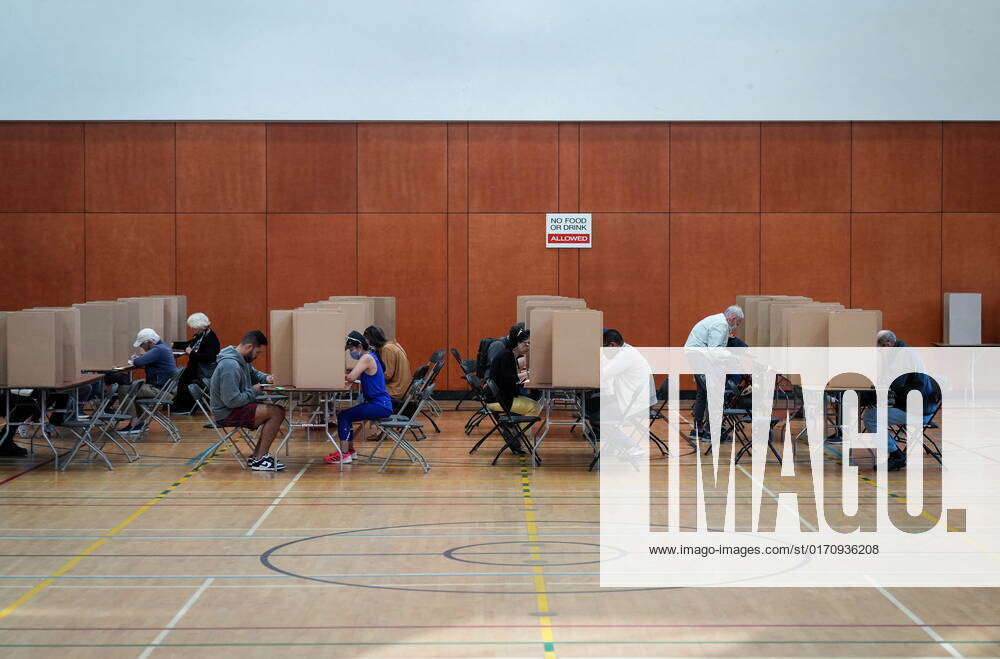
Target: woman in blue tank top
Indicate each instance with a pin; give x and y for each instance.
(377, 403)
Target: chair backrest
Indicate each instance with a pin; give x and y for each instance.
(438, 367)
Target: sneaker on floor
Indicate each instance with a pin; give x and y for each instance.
(130, 431)
(23, 431)
(266, 462)
(340, 458)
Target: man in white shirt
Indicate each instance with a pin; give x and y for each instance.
(711, 332)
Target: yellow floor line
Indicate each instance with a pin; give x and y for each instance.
(541, 596)
(70, 564)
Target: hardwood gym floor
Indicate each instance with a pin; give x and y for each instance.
(156, 558)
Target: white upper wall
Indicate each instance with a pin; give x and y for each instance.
(500, 60)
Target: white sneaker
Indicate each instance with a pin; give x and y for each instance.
(22, 432)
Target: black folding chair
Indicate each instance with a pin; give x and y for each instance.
(481, 394)
(467, 366)
(513, 428)
(931, 447)
(735, 417)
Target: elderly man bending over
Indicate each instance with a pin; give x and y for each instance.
(711, 332)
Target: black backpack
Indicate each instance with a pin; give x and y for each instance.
(482, 357)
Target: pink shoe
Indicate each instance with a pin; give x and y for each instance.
(340, 458)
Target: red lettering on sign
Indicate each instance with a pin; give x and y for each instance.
(554, 238)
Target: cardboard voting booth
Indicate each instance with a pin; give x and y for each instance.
(279, 341)
(743, 302)
(69, 318)
(576, 347)
(853, 328)
(963, 318)
(763, 317)
(318, 348)
(540, 352)
(104, 334)
(383, 312)
(145, 312)
(34, 348)
(564, 303)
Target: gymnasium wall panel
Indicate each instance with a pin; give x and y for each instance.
(41, 167)
(896, 267)
(715, 167)
(130, 255)
(807, 254)
(513, 168)
(623, 167)
(402, 168)
(507, 258)
(220, 167)
(626, 274)
(806, 167)
(403, 255)
(896, 167)
(971, 168)
(130, 167)
(310, 256)
(41, 259)
(969, 263)
(221, 269)
(312, 168)
(713, 258)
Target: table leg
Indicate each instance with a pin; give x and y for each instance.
(546, 402)
(288, 421)
(45, 435)
(326, 428)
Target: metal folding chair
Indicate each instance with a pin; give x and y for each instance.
(397, 427)
(227, 434)
(153, 408)
(81, 428)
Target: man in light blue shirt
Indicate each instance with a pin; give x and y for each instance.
(711, 332)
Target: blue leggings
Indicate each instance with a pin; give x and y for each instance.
(346, 418)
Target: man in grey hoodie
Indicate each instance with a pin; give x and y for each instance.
(233, 391)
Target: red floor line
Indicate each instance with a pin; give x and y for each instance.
(26, 471)
(554, 626)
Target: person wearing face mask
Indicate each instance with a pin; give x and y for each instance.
(711, 332)
(377, 403)
(233, 392)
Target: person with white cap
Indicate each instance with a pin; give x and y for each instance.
(158, 361)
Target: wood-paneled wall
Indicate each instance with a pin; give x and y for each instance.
(242, 217)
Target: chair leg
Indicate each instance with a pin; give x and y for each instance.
(481, 440)
(433, 423)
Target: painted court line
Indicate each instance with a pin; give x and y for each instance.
(69, 565)
(541, 590)
(208, 582)
(899, 605)
(913, 616)
(177, 617)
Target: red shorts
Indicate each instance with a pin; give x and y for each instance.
(241, 417)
